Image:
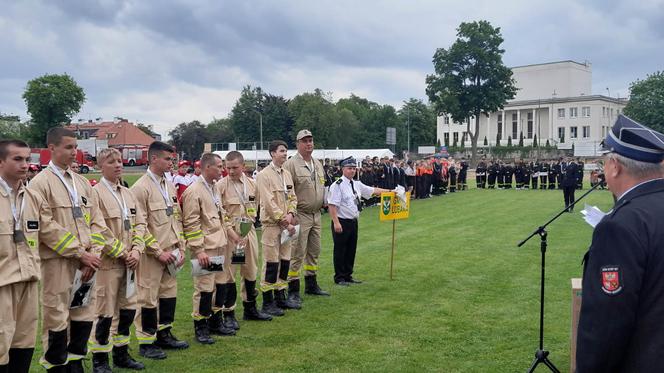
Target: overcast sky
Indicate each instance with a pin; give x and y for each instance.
(164, 62)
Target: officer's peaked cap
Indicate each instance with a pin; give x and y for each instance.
(635, 141)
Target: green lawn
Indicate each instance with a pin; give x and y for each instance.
(464, 297)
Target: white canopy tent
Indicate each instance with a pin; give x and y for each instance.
(334, 154)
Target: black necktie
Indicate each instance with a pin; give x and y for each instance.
(357, 198)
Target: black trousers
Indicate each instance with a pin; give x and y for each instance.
(345, 246)
(568, 194)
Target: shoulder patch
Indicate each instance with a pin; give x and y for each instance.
(33, 224)
(252, 198)
(611, 280)
(338, 181)
(132, 211)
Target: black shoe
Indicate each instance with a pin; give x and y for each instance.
(270, 306)
(166, 340)
(252, 313)
(230, 321)
(58, 369)
(151, 352)
(284, 303)
(354, 281)
(100, 363)
(217, 327)
(342, 283)
(294, 293)
(202, 332)
(75, 366)
(122, 359)
(311, 286)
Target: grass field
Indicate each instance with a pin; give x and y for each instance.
(464, 297)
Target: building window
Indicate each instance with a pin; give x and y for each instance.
(561, 113)
(500, 131)
(573, 132)
(573, 112)
(456, 138)
(586, 132)
(446, 139)
(530, 126)
(611, 112)
(585, 111)
(446, 120)
(561, 134)
(515, 126)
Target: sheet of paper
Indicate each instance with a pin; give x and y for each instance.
(216, 265)
(81, 292)
(592, 215)
(131, 283)
(173, 268)
(285, 235)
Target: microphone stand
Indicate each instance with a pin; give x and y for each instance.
(542, 355)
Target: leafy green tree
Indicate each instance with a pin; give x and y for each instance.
(422, 120)
(247, 115)
(497, 139)
(646, 101)
(277, 122)
(51, 101)
(535, 141)
(220, 130)
(485, 141)
(463, 141)
(521, 138)
(548, 144)
(11, 127)
(470, 79)
(316, 112)
(189, 139)
(147, 129)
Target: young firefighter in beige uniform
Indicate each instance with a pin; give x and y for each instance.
(157, 201)
(119, 209)
(278, 203)
(70, 238)
(309, 179)
(19, 259)
(239, 198)
(208, 232)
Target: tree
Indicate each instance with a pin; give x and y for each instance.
(277, 122)
(454, 144)
(485, 141)
(548, 144)
(247, 114)
(535, 141)
(51, 101)
(646, 101)
(422, 120)
(189, 138)
(509, 141)
(463, 141)
(147, 129)
(497, 139)
(521, 138)
(11, 127)
(315, 112)
(470, 78)
(437, 144)
(220, 130)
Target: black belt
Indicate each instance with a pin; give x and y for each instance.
(348, 220)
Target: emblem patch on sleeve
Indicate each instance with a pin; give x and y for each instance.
(175, 200)
(132, 211)
(611, 280)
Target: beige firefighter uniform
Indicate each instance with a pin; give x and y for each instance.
(309, 184)
(19, 275)
(157, 289)
(205, 225)
(71, 223)
(121, 215)
(239, 199)
(277, 199)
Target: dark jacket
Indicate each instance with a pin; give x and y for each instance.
(569, 174)
(621, 327)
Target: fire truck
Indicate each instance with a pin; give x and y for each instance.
(42, 156)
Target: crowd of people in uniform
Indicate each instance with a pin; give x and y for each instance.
(108, 255)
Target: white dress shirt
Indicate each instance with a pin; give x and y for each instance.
(341, 195)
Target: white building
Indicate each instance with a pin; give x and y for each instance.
(554, 103)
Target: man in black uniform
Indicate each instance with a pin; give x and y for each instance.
(463, 174)
(544, 174)
(500, 175)
(508, 171)
(579, 174)
(534, 173)
(569, 182)
(492, 171)
(480, 174)
(620, 327)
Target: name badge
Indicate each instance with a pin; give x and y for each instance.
(169, 210)
(127, 225)
(78, 212)
(19, 236)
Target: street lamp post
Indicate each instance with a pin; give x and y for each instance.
(408, 122)
(260, 121)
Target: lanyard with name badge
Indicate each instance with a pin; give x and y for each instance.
(73, 193)
(244, 199)
(18, 234)
(121, 202)
(215, 198)
(164, 194)
(283, 180)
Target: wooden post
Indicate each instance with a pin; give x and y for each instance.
(394, 227)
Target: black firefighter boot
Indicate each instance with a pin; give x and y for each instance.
(165, 337)
(250, 310)
(294, 292)
(229, 304)
(100, 363)
(122, 359)
(19, 360)
(202, 332)
(269, 305)
(217, 327)
(311, 286)
(284, 303)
